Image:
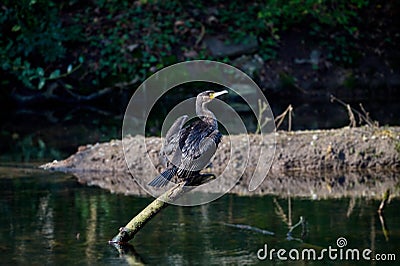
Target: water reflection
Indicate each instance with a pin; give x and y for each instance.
(128, 252)
(51, 219)
(314, 185)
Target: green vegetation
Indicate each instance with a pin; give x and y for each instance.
(33, 42)
(334, 23)
(101, 43)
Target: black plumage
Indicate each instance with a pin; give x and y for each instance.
(187, 150)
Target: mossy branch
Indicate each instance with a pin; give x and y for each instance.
(138, 222)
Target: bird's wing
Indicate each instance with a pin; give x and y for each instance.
(198, 147)
(171, 141)
(208, 146)
(192, 136)
(176, 127)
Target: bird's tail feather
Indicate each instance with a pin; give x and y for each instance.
(163, 179)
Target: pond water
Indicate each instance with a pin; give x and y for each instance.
(50, 219)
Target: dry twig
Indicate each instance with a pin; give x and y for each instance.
(279, 119)
(363, 115)
(262, 107)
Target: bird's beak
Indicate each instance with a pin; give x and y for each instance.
(216, 94)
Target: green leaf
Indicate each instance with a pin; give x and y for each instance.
(41, 144)
(153, 59)
(69, 69)
(16, 28)
(55, 74)
(17, 61)
(80, 59)
(42, 82)
(40, 72)
(68, 86)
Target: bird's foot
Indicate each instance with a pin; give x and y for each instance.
(200, 179)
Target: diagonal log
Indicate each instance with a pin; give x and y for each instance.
(138, 222)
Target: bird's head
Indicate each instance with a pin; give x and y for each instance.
(208, 96)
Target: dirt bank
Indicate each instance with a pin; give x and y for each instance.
(312, 162)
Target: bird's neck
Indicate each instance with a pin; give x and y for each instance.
(205, 114)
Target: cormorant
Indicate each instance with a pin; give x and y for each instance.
(186, 151)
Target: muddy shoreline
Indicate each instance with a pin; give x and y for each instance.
(361, 161)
